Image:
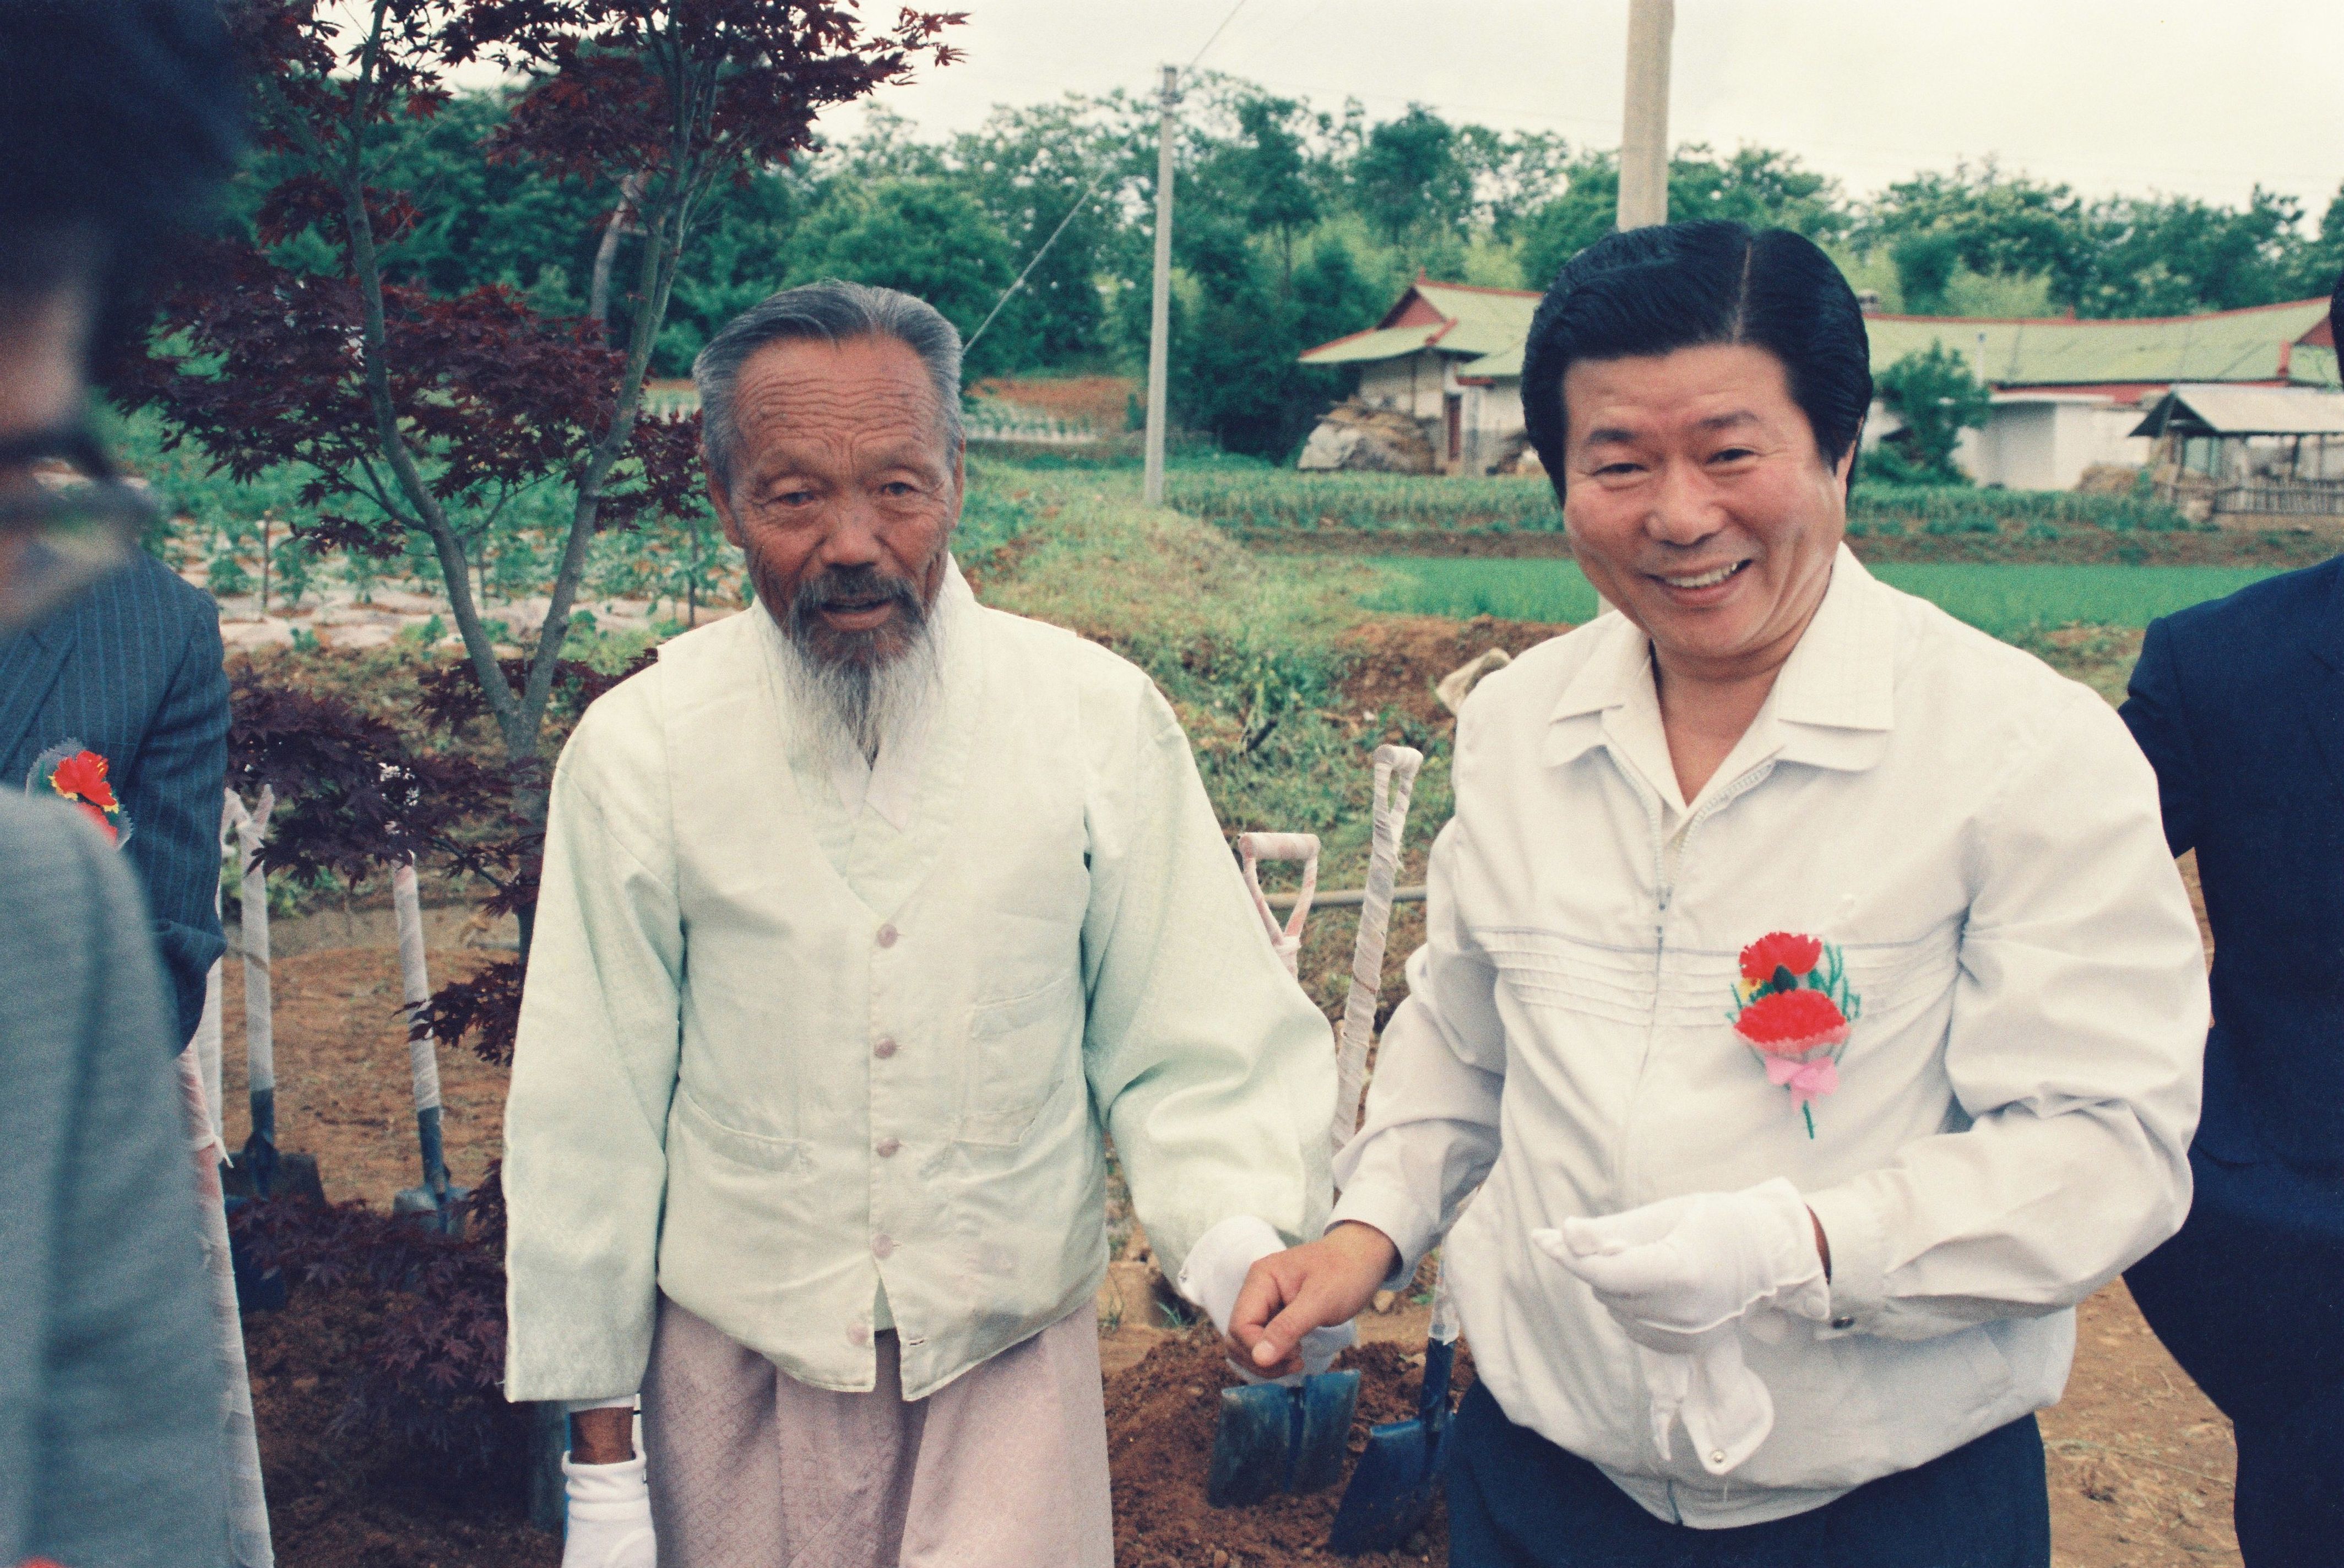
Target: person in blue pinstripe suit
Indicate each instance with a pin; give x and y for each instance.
(2240, 705)
(131, 668)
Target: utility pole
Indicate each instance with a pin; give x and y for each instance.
(1645, 133)
(1159, 318)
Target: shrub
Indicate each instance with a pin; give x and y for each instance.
(432, 1375)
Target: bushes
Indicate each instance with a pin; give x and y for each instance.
(431, 1377)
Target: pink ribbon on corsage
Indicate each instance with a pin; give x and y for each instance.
(1807, 1080)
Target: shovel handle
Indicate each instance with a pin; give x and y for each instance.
(1255, 847)
(1395, 781)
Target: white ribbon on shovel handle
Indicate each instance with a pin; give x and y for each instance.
(422, 1050)
(1395, 781)
(251, 829)
(1255, 847)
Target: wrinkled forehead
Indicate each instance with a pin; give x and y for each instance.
(855, 396)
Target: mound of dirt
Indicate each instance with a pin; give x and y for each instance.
(1397, 659)
(1160, 1416)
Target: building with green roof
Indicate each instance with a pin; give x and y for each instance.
(2067, 393)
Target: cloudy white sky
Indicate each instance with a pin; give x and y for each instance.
(2132, 96)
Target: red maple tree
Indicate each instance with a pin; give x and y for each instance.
(418, 413)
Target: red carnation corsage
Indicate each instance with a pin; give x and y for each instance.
(74, 772)
(1793, 1009)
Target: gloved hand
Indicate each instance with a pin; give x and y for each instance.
(610, 1516)
(1215, 1270)
(1672, 1272)
(1685, 1277)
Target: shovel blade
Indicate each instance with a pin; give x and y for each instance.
(1391, 1489)
(1277, 1439)
(1251, 1445)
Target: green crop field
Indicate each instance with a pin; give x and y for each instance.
(1259, 499)
(2005, 601)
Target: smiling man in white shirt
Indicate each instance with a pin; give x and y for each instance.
(1807, 991)
(864, 913)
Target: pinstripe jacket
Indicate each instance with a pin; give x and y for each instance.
(132, 670)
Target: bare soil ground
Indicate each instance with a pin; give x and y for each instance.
(1102, 402)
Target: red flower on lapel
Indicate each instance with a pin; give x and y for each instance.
(74, 772)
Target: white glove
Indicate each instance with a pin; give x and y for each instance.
(610, 1516)
(1215, 1272)
(1685, 1277)
(1724, 1404)
(1685, 1266)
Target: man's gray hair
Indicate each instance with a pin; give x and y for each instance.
(835, 312)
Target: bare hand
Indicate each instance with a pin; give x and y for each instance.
(1313, 1286)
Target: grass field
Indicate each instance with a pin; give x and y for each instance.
(2005, 601)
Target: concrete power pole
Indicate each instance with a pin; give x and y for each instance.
(1644, 135)
(1159, 318)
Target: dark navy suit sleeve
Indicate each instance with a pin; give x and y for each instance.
(2155, 711)
(174, 809)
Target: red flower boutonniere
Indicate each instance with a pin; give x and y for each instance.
(1793, 1008)
(76, 774)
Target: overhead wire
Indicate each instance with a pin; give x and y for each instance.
(1105, 167)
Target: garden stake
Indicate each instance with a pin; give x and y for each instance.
(1277, 1437)
(1392, 1486)
(1395, 780)
(435, 1203)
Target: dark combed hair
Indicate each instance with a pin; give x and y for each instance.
(1650, 291)
(119, 119)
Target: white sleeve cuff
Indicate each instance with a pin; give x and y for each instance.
(622, 1402)
(1859, 1292)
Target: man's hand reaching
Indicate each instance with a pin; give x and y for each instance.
(1319, 1285)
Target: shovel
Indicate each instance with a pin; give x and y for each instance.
(1273, 1437)
(1392, 1487)
(1277, 1437)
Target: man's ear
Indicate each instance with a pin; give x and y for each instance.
(960, 479)
(721, 497)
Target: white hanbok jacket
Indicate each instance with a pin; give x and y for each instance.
(1981, 839)
(738, 1083)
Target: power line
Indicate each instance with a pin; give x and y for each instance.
(1107, 166)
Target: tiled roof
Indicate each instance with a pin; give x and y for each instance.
(1484, 328)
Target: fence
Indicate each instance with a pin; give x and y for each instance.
(2300, 497)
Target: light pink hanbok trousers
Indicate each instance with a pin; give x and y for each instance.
(1006, 1467)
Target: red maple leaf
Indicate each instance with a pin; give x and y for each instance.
(1780, 950)
(1792, 1023)
(82, 777)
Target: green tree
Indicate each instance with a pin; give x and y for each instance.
(1937, 396)
(1756, 186)
(923, 236)
(1408, 181)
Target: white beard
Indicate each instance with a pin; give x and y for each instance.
(851, 708)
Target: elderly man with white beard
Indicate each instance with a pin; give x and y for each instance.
(866, 913)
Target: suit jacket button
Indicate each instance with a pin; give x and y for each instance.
(887, 935)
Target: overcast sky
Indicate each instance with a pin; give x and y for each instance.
(2105, 95)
